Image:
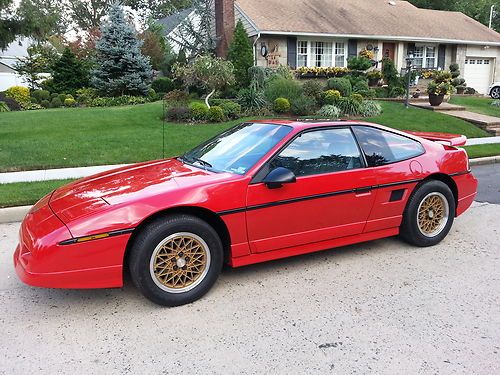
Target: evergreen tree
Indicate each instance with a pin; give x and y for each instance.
(241, 55)
(121, 67)
(69, 73)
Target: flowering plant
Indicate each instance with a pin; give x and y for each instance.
(330, 71)
(442, 88)
(368, 54)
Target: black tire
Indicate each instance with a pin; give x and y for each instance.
(148, 242)
(495, 92)
(410, 229)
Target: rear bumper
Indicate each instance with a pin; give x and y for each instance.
(467, 190)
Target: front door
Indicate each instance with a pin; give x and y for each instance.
(389, 50)
(331, 197)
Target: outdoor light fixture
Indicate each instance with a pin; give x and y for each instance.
(376, 49)
(409, 62)
(263, 49)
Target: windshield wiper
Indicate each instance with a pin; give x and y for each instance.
(193, 159)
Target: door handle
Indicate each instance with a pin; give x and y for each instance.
(363, 190)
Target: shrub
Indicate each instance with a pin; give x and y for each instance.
(495, 103)
(179, 113)
(303, 105)
(331, 96)
(62, 97)
(349, 106)
(357, 97)
(153, 96)
(359, 63)
(369, 108)
(389, 72)
(56, 102)
(177, 96)
(45, 104)
(231, 109)
(11, 103)
(20, 94)
(329, 111)
(468, 91)
(4, 107)
(215, 114)
(396, 91)
(283, 88)
(252, 99)
(54, 95)
(69, 102)
(281, 105)
(342, 85)
(40, 95)
(162, 85)
(199, 111)
(85, 95)
(458, 82)
(361, 87)
(313, 88)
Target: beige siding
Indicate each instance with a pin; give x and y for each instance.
(277, 49)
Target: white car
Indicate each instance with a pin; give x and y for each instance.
(494, 90)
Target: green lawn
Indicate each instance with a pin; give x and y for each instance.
(477, 104)
(96, 136)
(481, 151)
(26, 193)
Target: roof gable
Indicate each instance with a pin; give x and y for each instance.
(169, 23)
(376, 18)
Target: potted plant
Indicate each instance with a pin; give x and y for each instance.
(374, 77)
(439, 87)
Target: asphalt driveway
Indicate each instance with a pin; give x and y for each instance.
(381, 307)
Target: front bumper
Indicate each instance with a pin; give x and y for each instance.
(40, 260)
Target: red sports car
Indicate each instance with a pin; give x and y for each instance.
(260, 191)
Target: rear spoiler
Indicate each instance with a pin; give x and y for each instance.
(443, 138)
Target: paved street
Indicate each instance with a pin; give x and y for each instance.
(380, 307)
(489, 183)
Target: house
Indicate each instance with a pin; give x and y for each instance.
(326, 33)
(8, 59)
(172, 26)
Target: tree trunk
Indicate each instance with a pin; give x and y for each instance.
(208, 97)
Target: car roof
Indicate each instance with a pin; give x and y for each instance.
(312, 123)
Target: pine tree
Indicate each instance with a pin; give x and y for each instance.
(121, 67)
(241, 54)
(69, 73)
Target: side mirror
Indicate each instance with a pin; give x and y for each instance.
(279, 176)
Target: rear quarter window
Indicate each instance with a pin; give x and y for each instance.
(382, 147)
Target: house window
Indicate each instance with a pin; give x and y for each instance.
(424, 57)
(302, 53)
(320, 53)
(430, 57)
(340, 54)
(486, 62)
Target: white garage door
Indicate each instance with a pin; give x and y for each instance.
(478, 73)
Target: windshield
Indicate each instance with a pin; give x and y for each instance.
(237, 149)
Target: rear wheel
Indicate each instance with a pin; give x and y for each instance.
(176, 260)
(495, 92)
(429, 214)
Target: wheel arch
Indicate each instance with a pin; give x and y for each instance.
(204, 214)
(448, 181)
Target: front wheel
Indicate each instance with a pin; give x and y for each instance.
(429, 214)
(495, 92)
(175, 260)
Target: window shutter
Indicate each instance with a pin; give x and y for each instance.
(291, 55)
(352, 48)
(411, 48)
(441, 55)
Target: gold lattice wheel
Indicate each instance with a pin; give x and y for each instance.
(432, 214)
(180, 262)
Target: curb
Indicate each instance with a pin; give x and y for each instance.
(485, 161)
(16, 214)
(13, 214)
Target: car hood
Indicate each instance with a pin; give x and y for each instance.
(96, 192)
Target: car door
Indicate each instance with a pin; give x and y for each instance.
(331, 197)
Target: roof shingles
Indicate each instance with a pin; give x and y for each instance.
(377, 18)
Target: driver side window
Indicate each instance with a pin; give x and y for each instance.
(320, 151)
